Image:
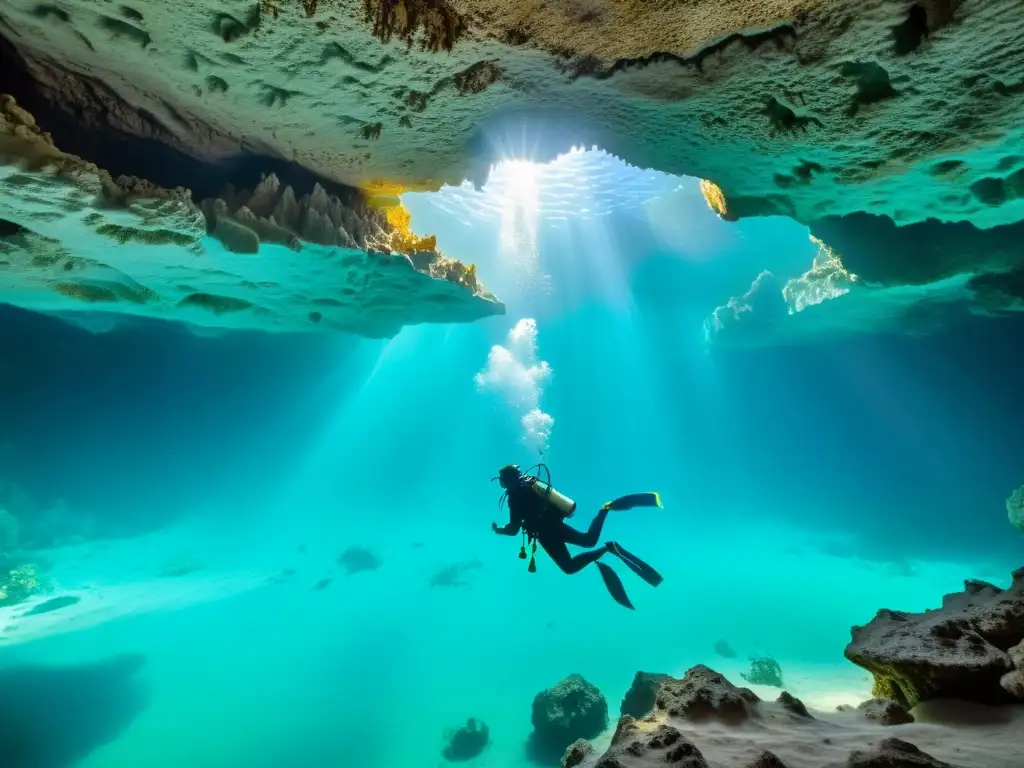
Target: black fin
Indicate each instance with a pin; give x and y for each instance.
(638, 566)
(614, 585)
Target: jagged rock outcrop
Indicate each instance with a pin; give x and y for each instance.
(715, 723)
(74, 238)
(271, 213)
(873, 121)
(642, 694)
(795, 107)
(960, 650)
(792, 704)
(574, 709)
(703, 694)
(663, 745)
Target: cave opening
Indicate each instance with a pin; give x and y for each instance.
(86, 131)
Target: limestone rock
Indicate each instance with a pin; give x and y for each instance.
(885, 711)
(128, 247)
(796, 107)
(663, 745)
(957, 651)
(642, 694)
(704, 694)
(893, 753)
(574, 709)
(870, 120)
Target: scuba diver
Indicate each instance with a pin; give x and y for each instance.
(538, 511)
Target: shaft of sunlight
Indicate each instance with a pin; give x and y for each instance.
(515, 183)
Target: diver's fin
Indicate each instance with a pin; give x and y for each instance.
(636, 565)
(635, 500)
(614, 585)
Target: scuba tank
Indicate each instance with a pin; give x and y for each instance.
(556, 500)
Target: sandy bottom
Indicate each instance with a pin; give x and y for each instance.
(248, 663)
(954, 732)
(117, 579)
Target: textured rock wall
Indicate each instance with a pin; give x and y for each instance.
(796, 107)
(75, 238)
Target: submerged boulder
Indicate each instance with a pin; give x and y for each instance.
(704, 694)
(960, 650)
(574, 709)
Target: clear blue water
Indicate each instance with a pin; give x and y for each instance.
(212, 483)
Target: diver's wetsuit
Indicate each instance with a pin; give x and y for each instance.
(530, 513)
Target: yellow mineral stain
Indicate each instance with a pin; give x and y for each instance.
(715, 198)
(384, 196)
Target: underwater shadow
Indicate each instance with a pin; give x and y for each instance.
(54, 716)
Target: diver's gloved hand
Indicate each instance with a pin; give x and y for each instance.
(494, 527)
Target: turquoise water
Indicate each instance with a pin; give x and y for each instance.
(805, 485)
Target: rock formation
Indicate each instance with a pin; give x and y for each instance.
(968, 649)
(642, 694)
(703, 694)
(127, 246)
(663, 744)
(825, 109)
(704, 721)
(573, 709)
(864, 119)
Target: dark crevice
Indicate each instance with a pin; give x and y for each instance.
(909, 35)
(11, 229)
(83, 127)
(923, 19)
(780, 36)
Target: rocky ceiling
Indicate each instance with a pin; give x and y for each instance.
(894, 129)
